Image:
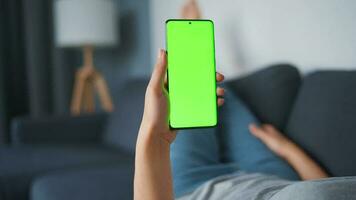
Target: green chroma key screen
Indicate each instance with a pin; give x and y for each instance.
(191, 73)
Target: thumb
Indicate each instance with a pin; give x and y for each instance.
(159, 72)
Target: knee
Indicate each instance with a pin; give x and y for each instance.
(231, 98)
(234, 107)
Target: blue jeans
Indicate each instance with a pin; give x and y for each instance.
(199, 155)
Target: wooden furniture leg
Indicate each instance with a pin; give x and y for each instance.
(87, 82)
(88, 96)
(103, 92)
(77, 93)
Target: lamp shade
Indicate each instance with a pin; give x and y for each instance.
(85, 22)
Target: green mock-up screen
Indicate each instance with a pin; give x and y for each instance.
(191, 73)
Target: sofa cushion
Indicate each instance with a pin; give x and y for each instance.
(83, 129)
(21, 164)
(109, 183)
(323, 120)
(269, 93)
(124, 122)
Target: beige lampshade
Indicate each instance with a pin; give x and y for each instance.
(85, 22)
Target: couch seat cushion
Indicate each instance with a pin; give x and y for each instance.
(109, 183)
(19, 165)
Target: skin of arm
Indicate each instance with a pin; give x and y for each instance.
(153, 176)
(304, 165)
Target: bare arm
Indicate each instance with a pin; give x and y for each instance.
(153, 179)
(306, 167)
(153, 176)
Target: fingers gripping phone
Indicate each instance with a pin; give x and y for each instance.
(191, 73)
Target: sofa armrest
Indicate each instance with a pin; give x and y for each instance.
(85, 129)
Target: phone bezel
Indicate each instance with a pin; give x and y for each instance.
(216, 107)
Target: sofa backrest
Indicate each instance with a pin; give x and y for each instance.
(270, 93)
(123, 124)
(323, 120)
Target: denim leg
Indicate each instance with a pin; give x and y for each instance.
(195, 159)
(242, 148)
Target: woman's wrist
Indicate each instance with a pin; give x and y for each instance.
(289, 149)
(150, 135)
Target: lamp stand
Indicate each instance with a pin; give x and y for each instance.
(88, 82)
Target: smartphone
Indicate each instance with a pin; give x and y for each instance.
(191, 73)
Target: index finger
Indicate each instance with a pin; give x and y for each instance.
(159, 72)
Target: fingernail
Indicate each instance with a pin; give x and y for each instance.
(159, 55)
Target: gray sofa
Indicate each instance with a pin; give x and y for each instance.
(92, 157)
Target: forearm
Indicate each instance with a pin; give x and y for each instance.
(153, 177)
(306, 167)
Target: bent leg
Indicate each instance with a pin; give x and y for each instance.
(195, 159)
(242, 148)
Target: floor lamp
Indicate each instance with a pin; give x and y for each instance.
(87, 24)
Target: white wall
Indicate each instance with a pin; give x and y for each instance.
(313, 34)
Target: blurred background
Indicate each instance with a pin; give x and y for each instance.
(37, 76)
(251, 34)
(45, 43)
